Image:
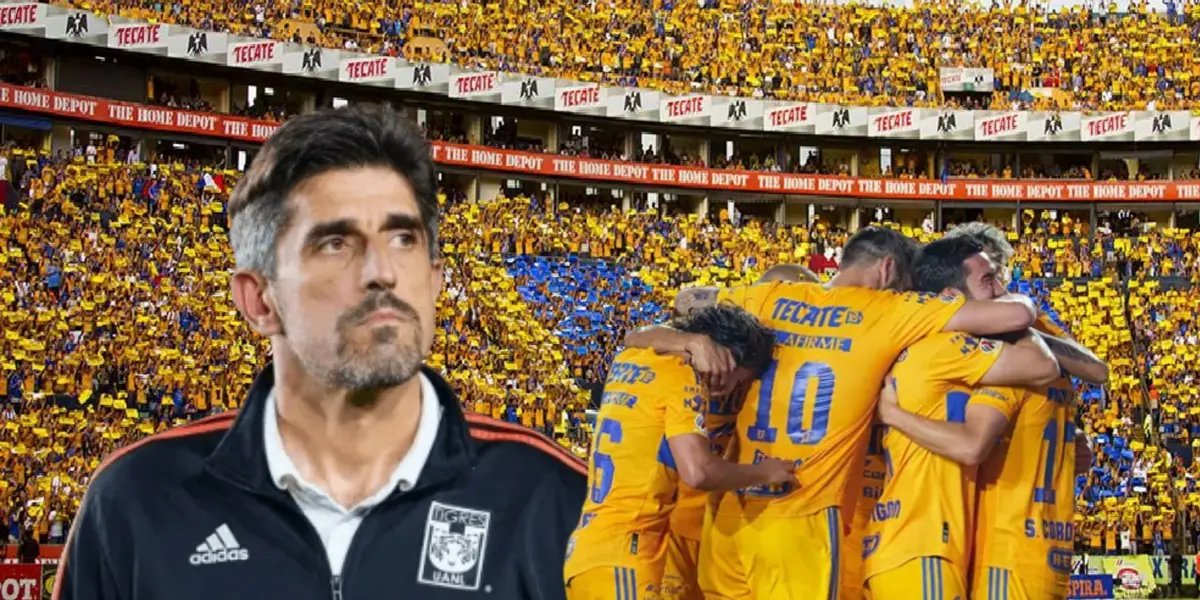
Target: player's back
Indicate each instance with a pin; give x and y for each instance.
(1026, 504)
(926, 506)
(815, 402)
(633, 482)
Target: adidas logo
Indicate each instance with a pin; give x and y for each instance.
(220, 547)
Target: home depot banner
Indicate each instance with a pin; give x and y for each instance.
(27, 582)
(140, 116)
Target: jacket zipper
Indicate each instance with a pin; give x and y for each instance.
(336, 585)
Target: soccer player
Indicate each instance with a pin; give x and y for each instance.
(1024, 526)
(919, 533)
(650, 436)
(1075, 359)
(814, 406)
(692, 517)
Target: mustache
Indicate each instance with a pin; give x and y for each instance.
(374, 303)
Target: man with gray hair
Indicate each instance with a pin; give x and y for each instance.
(351, 471)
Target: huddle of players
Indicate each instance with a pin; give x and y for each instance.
(729, 442)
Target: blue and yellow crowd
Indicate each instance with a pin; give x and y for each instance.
(1043, 55)
(118, 324)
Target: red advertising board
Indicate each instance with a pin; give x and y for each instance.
(977, 190)
(141, 116)
(20, 582)
(47, 553)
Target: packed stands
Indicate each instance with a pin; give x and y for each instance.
(537, 297)
(1069, 57)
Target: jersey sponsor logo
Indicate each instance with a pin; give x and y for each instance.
(989, 346)
(803, 313)
(219, 547)
(455, 544)
(623, 372)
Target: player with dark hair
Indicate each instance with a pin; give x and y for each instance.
(350, 470)
(1022, 514)
(919, 536)
(814, 406)
(650, 438)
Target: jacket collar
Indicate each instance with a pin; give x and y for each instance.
(240, 457)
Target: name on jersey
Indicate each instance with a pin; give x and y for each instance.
(623, 372)
(809, 315)
(618, 399)
(1055, 531)
(886, 511)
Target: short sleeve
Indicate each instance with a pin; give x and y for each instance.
(963, 357)
(915, 315)
(1004, 399)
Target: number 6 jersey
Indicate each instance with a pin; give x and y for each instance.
(632, 482)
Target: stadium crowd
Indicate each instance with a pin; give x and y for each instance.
(119, 324)
(1042, 57)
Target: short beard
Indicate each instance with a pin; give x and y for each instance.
(379, 368)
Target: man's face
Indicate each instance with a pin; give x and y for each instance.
(355, 287)
(983, 280)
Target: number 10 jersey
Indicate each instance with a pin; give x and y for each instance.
(815, 403)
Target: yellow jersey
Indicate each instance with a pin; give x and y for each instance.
(1026, 500)
(815, 402)
(720, 418)
(632, 484)
(928, 500)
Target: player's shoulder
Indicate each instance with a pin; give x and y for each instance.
(644, 365)
(502, 444)
(162, 460)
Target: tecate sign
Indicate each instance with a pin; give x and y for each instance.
(16, 16)
(256, 53)
(574, 98)
(137, 36)
(474, 84)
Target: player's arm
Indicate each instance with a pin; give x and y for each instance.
(695, 298)
(711, 361)
(1027, 362)
(699, 468)
(967, 443)
(1013, 312)
(694, 460)
(1076, 360)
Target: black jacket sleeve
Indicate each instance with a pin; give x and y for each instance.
(85, 571)
(545, 527)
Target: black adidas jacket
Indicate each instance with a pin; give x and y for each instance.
(488, 518)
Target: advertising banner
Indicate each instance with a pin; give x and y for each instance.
(141, 116)
(1162, 569)
(1090, 587)
(21, 582)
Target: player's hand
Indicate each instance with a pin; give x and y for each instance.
(713, 363)
(776, 472)
(889, 401)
